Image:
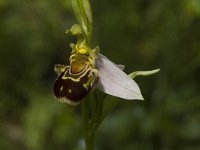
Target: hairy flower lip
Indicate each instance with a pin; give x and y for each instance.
(115, 82)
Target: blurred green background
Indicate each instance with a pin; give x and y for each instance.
(142, 34)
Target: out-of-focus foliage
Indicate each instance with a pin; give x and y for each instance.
(138, 33)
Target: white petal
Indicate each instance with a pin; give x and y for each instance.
(115, 82)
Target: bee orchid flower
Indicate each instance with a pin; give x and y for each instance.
(89, 69)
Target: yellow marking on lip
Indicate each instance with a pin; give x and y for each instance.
(69, 91)
(87, 84)
(61, 88)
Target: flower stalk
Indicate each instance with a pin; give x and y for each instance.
(88, 135)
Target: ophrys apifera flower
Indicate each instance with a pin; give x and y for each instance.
(89, 69)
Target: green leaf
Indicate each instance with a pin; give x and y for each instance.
(83, 13)
(79, 13)
(87, 9)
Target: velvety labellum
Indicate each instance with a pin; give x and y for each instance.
(71, 87)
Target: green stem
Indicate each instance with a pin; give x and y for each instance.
(88, 135)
